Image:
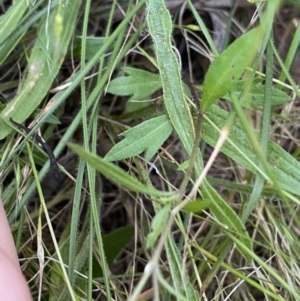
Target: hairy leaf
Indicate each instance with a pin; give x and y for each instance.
(139, 83)
(227, 68)
(286, 169)
(256, 95)
(115, 173)
(160, 28)
(147, 136)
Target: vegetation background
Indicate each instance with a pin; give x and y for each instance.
(175, 128)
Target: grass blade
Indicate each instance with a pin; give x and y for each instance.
(44, 64)
(115, 173)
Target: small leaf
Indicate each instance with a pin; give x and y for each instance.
(157, 225)
(115, 173)
(93, 44)
(115, 241)
(227, 69)
(196, 206)
(256, 95)
(140, 84)
(184, 165)
(147, 136)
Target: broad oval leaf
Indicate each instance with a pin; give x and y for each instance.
(227, 68)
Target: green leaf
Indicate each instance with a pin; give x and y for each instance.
(256, 95)
(140, 84)
(286, 169)
(196, 206)
(154, 109)
(52, 119)
(227, 68)
(158, 225)
(10, 20)
(19, 29)
(225, 215)
(115, 241)
(160, 28)
(93, 44)
(115, 173)
(184, 165)
(44, 63)
(149, 136)
(181, 280)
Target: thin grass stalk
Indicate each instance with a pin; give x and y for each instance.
(61, 96)
(265, 128)
(293, 48)
(49, 223)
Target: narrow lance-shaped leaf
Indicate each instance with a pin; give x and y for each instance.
(286, 168)
(11, 18)
(224, 214)
(255, 96)
(227, 68)
(160, 27)
(44, 63)
(180, 277)
(158, 224)
(115, 173)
